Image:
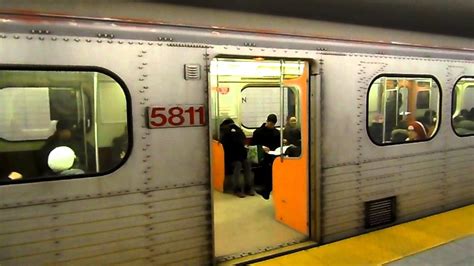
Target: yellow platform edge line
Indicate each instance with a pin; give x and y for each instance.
(387, 245)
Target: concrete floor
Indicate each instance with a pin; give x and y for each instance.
(248, 225)
(458, 252)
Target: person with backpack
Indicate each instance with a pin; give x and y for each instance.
(235, 158)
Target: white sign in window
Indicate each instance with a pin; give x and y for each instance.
(25, 114)
(258, 102)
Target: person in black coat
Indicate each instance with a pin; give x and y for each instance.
(266, 135)
(235, 158)
(66, 135)
(119, 149)
(291, 133)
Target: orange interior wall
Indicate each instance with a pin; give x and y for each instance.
(412, 92)
(290, 177)
(218, 170)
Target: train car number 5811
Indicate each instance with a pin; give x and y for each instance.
(176, 116)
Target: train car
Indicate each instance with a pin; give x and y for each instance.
(110, 147)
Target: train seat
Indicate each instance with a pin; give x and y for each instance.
(464, 127)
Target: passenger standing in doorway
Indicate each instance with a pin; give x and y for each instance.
(235, 158)
(269, 137)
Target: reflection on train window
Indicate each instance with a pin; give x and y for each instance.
(57, 123)
(463, 107)
(258, 102)
(403, 109)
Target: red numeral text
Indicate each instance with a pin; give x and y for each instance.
(175, 116)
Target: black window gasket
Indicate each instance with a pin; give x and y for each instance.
(68, 68)
(395, 75)
(453, 106)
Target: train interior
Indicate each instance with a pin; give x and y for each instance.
(247, 90)
(403, 109)
(463, 107)
(43, 110)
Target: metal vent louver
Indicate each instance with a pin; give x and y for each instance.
(380, 212)
(192, 71)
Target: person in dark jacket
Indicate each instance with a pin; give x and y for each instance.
(291, 133)
(235, 158)
(66, 135)
(119, 149)
(267, 135)
(429, 122)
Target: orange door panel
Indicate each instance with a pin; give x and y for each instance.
(290, 176)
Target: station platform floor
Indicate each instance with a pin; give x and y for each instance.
(442, 239)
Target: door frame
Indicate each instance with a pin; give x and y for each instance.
(314, 132)
(315, 142)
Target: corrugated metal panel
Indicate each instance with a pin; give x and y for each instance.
(347, 173)
(108, 230)
(166, 253)
(353, 224)
(423, 185)
(151, 204)
(79, 206)
(426, 177)
(201, 260)
(341, 234)
(146, 209)
(178, 257)
(391, 178)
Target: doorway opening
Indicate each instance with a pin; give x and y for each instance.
(259, 122)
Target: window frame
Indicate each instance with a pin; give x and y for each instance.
(453, 101)
(397, 75)
(79, 68)
(274, 85)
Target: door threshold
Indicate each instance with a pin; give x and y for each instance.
(266, 255)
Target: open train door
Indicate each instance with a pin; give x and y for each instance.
(247, 88)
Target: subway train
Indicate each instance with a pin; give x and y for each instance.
(110, 146)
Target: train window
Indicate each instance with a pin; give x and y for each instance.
(258, 102)
(60, 123)
(463, 107)
(403, 109)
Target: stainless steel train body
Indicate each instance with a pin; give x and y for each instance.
(156, 207)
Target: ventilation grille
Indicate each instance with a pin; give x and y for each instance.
(380, 212)
(192, 71)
